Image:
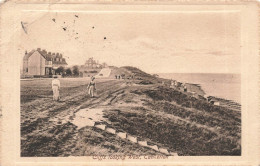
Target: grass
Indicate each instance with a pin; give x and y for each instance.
(196, 128)
(41, 88)
(168, 94)
(170, 118)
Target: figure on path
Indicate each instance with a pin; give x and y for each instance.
(175, 83)
(172, 84)
(56, 88)
(92, 86)
(184, 87)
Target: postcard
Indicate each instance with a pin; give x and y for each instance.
(129, 83)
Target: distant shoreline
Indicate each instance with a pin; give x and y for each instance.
(222, 86)
(198, 73)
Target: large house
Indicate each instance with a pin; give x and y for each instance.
(42, 63)
(93, 64)
(91, 67)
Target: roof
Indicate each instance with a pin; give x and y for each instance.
(26, 56)
(63, 62)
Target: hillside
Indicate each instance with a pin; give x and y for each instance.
(145, 108)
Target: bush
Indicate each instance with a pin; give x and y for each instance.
(60, 70)
(68, 72)
(75, 70)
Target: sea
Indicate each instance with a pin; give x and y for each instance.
(227, 86)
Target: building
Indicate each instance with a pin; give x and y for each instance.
(91, 67)
(93, 64)
(42, 63)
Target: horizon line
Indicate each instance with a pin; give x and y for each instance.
(192, 73)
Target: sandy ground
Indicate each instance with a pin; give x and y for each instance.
(162, 116)
(47, 131)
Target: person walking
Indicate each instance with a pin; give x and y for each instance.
(184, 87)
(56, 88)
(92, 87)
(175, 83)
(172, 84)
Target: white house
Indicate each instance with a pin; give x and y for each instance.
(39, 63)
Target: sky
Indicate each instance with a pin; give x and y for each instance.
(165, 42)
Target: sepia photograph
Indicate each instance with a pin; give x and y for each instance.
(130, 84)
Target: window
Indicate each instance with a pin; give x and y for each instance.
(26, 69)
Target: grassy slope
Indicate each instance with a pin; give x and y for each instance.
(178, 121)
(197, 130)
(152, 112)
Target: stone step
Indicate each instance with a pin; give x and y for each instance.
(110, 130)
(132, 138)
(154, 147)
(142, 143)
(163, 150)
(102, 127)
(121, 135)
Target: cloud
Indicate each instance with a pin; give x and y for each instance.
(149, 46)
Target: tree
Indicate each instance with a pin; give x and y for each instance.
(75, 70)
(60, 70)
(68, 72)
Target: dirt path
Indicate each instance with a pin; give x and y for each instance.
(47, 127)
(65, 128)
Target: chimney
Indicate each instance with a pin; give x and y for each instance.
(38, 49)
(44, 51)
(26, 52)
(49, 53)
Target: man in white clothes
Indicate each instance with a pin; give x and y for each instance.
(56, 88)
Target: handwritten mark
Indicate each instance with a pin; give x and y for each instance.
(64, 28)
(105, 38)
(23, 27)
(54, 20)
(77, 16)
